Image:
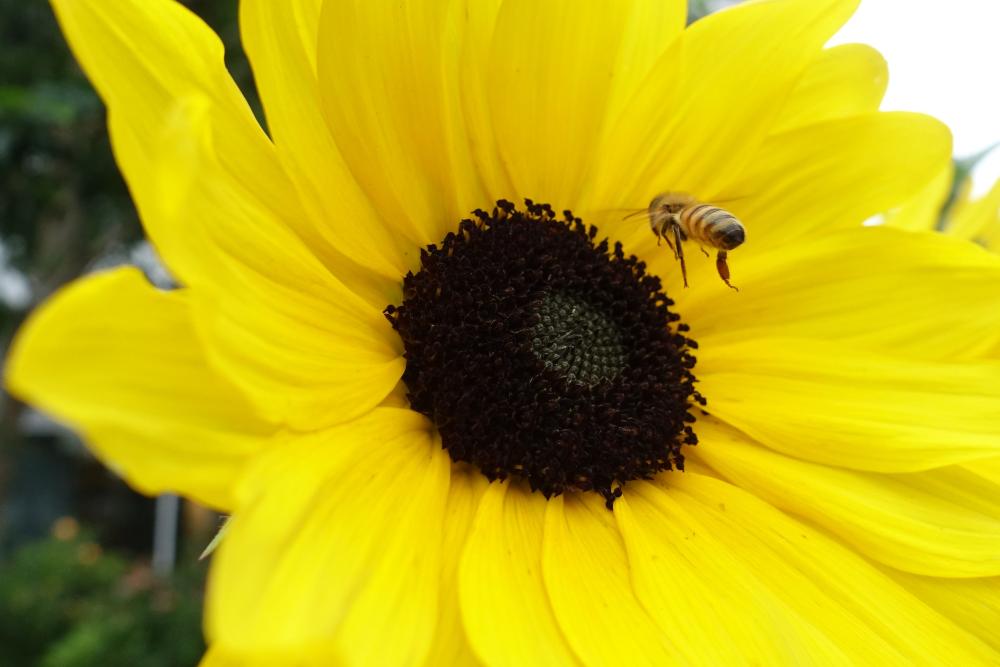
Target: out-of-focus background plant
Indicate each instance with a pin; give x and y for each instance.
(77, 582)
(67, 603)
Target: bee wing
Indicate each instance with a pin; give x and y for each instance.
(629, 213)
(727, 200)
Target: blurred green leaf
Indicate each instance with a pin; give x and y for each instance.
(65, 603)
(964, 167)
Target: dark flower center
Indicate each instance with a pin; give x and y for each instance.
(577, 339)
(542, 354)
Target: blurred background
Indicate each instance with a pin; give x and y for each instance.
(93, 574)
(80, 585)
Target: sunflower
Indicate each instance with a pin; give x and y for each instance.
(463, 410)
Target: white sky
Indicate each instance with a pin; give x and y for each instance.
(944, 60)
(15, 291)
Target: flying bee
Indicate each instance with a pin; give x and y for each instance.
(676, 217)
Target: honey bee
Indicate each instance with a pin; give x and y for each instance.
(676, 217)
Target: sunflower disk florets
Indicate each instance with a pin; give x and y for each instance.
(543, 354)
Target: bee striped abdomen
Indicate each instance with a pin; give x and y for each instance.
(712, 226)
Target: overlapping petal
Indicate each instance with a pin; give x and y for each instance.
(689, 578)
(988, 469)
(389, 87)
(828, 162)
(972, 604)
(842, 81)
(838, 591)
(505, 607)
(120, 361)
(919, 523)
(708, 104)
(556, 72)
(281, 42)
(921, 212)
(844, 406)
(451, 645)
(586, 573)
(308, 350)
(144, 57)
(836, 174)
(978, 219)
(873, 287)
(341, 535)
(218, 206)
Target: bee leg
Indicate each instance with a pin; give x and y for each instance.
(703, 251)
(720, 264)
(670, 243)
(679, 253)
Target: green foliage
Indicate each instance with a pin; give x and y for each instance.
(64, 207)
(63, 603)
(699, 9)
(963, 172)
(63, 197)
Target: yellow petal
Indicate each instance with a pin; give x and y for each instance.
(908, 294)
(844, 406)
(921, 214)
(119, 361)
(450, 645)
(837, 174)
(975, 220)
(988, 469)
(395, 113)
(964, 485)
(557, 70)
(824, 581)
(803, 186)
(309, 351)
(144, 57)
(587, 578)
(337, 540)
(280, 40)
(305, 375)
(903, 521)
(223, 214)
(505, 606)
(233, 656)
(651, 30)
(690, 579)
(846, 80)
(720, 93)
(990, 238)
(972, 604)
(476, 31)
